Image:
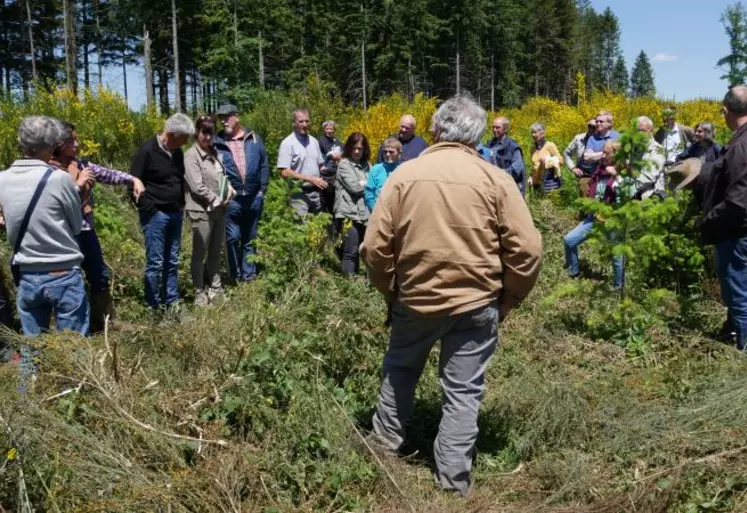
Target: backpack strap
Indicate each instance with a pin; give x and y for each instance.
(30, 211)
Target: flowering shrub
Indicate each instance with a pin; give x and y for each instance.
(107, 130)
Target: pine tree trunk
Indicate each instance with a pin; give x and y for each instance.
(148, 64)
(86, 45)
(492, 82)
(31, 41)
(235, 45)
(124, 75)
(99, 50)
(163, 91)
(71, 65)
(363, 72)
(177, 74)
(194, 91)
(458, 66)
(261, 63)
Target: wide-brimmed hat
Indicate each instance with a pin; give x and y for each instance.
(227, 109)
(683, 173)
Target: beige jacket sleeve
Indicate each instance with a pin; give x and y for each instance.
(521, 248)
(378, 245)
(193, 174)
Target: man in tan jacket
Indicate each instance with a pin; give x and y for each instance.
(452, 246)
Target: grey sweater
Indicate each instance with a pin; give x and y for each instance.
(49, 243)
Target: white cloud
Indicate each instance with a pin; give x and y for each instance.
(665, 57)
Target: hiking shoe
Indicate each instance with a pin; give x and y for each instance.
(726, 334)
(202, 298)
(214, 294)
(174, 313)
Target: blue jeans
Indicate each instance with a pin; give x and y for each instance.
(163, 237)
(575, 238)
(242, 220)
(731, 257)
(41, 294)
(468, 341)
(97, 272)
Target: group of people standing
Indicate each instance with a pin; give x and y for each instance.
(445, 234)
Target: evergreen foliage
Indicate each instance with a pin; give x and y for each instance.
(734, 20)
(642, 77)
(506, 50)
(620, 78)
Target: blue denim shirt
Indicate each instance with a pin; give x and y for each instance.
(257, 170)
(595, 144)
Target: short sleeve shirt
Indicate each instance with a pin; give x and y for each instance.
(301, 154)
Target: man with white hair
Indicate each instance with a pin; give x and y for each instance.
(43, 216)
(650, 181)
(452, 247)
(159, 164)
(506, 153)
(412, 145)
(331, 148)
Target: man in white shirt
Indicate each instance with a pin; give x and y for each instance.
(651, 179)
(300, 160)
(675, 138)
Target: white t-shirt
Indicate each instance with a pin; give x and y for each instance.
(301, 154)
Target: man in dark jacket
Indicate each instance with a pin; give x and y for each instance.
(244, 158)
(332, 152)
(159, 164)
(724, 224)
(412, 145)
(506, 153)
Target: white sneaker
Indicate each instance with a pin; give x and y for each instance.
(215, 293)
(201, 298)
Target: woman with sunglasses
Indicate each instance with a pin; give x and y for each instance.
(380, 172)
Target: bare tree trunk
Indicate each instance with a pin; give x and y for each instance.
(261, 63)
(124, 75)
(148, 64)
(177, 75)
(99, 50)
(31, 41)
(71, 65)
(235, 44)
(492, 82)
(363, 71)
(163, 90)
(194, 90)
(458, 66)
(86, 45)
(410, 78)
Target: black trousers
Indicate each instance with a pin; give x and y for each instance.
(351, 241)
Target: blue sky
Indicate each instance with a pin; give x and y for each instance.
(683, 39)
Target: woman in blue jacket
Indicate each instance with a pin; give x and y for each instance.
(381, 171)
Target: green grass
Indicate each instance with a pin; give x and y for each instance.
(259, 404)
